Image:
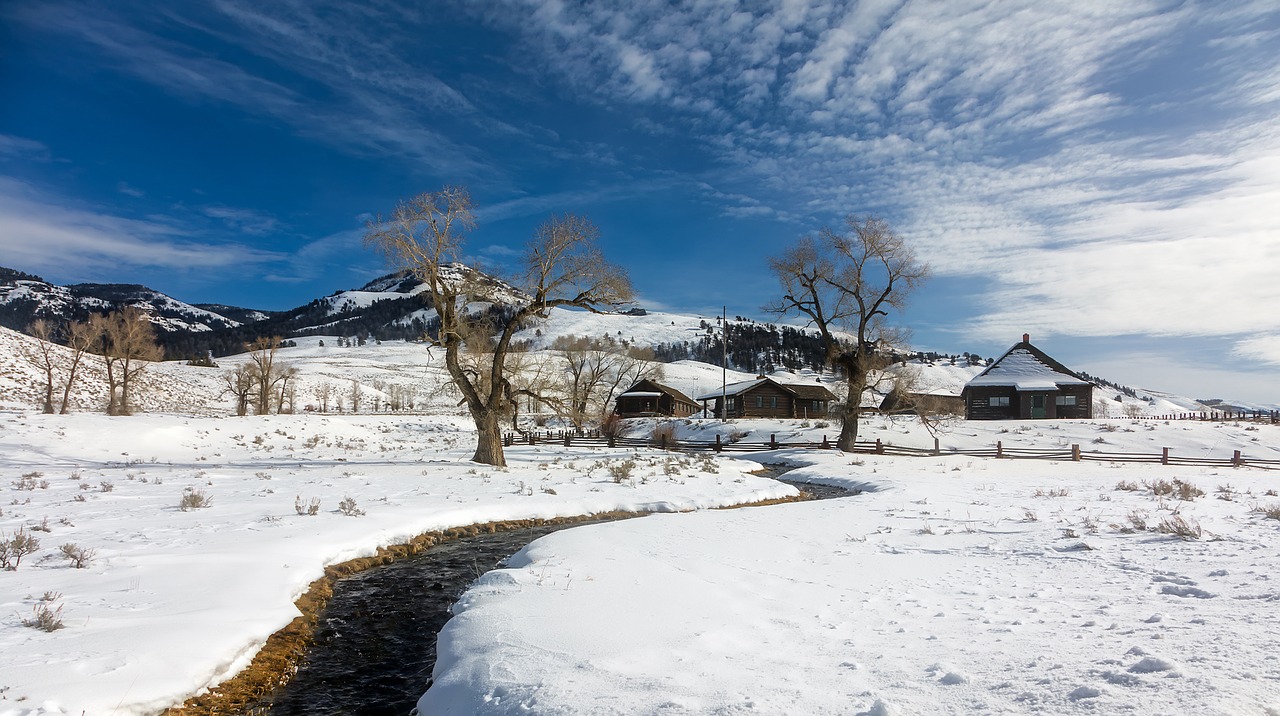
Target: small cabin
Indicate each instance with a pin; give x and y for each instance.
(648, 398)
(765, 397)
(1025, 383)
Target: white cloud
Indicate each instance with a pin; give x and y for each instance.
(1264, 348)
(44, 233)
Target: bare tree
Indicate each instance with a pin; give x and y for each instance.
(845, 283)
(240, 382)
(356, 394)
(322, 392)
(267, 373)
(562, 266)
(43, 356)
(127, 343)
(80, 339)
(594, 370)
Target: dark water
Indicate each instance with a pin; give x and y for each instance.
(376, 643)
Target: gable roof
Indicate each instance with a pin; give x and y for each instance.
(651, 388)
(1026, 367)
(803, 391)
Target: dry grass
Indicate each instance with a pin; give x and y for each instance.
(1179, 526)
(44, 618)
(193, 499)
(1128, 486)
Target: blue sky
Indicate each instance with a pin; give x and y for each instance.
(1103, 175)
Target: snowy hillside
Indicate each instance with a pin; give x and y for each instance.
(25, 298)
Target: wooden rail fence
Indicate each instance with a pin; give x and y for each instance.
(570, 438)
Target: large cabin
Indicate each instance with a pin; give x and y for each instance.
(1025, 383)
(765, 397)
(648, 398)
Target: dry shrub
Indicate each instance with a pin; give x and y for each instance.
(1271, 511)
(348, 507)
(15, 547)
(80, 557)
(193, 499)
(311, 508)
(611, 426)
(1127, 486)
(1179, 526)
(663, 434)
(620, 470)
(44, 618)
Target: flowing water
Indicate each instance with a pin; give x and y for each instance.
(375, 645)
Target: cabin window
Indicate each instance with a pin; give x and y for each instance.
(1065, 400)
(759, 401)
(817, 405)
(773, 401)
(999, 402)
(730, 402)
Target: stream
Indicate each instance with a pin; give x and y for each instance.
(375, 646)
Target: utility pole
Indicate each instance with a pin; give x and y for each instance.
(724, 365)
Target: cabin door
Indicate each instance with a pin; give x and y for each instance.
(1037, 406)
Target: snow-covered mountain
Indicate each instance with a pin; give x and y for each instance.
(25, 298)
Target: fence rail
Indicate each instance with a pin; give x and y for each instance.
(1074, 453)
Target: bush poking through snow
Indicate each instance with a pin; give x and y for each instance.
(310, 508)
(1184, 491)
(1127, 486)
(80, 557)
(663, 434)
(348, 507)
(1271, 511)
(620, 470)
(193, 499)
(15, 547)
(44, 618)
(1179, 526)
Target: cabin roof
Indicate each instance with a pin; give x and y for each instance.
(652, 389)
(803, 391)
(1026, 367)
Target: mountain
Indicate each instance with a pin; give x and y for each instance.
(25, 298)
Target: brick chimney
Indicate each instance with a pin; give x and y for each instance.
(1026, 337)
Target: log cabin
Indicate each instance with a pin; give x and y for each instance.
(648, 398)
(765, 397)
(1025, 383)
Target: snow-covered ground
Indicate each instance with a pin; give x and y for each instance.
(950, 586)
(176, 600)
(718, 613)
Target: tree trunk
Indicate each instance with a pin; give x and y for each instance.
(489, 439)
(849, 415)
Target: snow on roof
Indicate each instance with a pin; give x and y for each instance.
(1025, 371)
(641, 394)
(732, 389)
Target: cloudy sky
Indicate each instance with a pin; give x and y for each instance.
(1102, 175)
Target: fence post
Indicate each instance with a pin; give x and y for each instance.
(879, 447)
(1236, 460)
(568, 442)
(533, 437)
(1075, 452)
(612, 442)
(773, 441)
(999, 448)
(937, 449)
(825, 444)
(719, 446)
(1164, 456)
(663, 441)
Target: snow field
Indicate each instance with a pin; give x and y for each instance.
(952, 585)
(173, 601)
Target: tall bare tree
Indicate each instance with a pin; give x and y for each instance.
(240, 382)
(845, 282)
(593, 372)
(562, 266)
(79, 341)
(126, 340)
(43, 356)
(267, 372)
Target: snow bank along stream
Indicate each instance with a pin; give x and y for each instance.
(375, 643)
